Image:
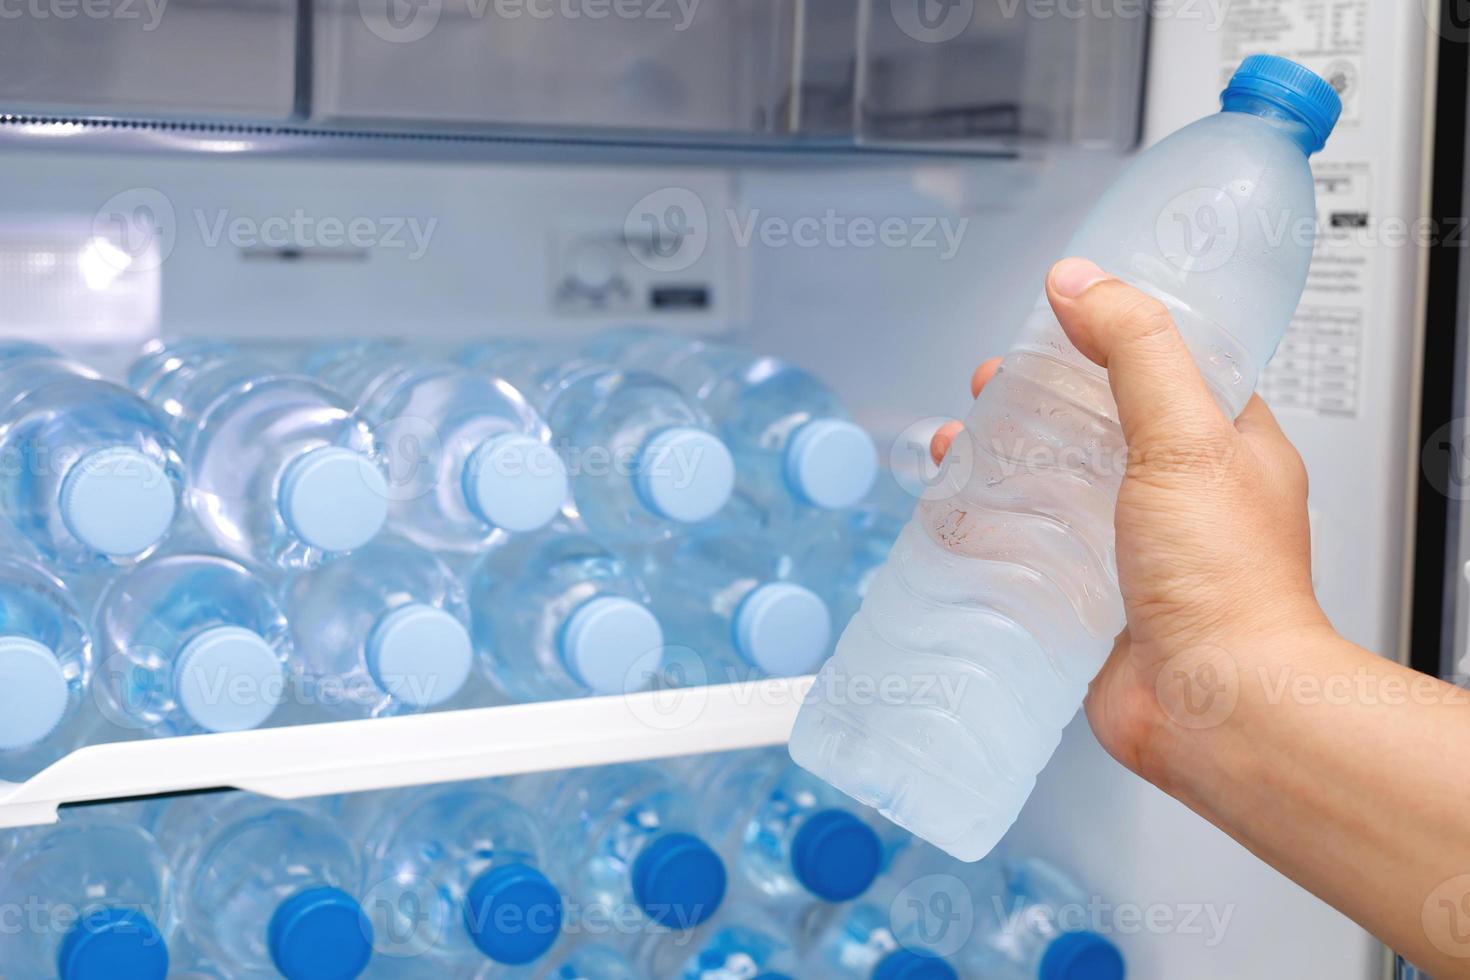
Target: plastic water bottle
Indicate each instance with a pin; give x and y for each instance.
(790, 840)
(281, 469)
(793, 442)
(91, 476)
(625, 838)
(726, 592)
(1000, 601)
(558, 615)
(92, 901)
(738, 944)
(382, 631)
(189, 643)
(263, 884)
(468, 454)
(840, 552)
(643, 457)
(45, 670)
(457, 879)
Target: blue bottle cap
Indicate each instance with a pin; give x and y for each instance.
(419, 654)
(33, 692)
(835, 855)
(113, 944)
(117, 501)
(783, 629)
(320, 933)
(905, 964)
(333, 498)
(678, 880)
(1287, 84)
(1081, 956)
(228, 679)
(831, 463)
(515, 482)
(513, 914)
(685, 474)
(604, 638)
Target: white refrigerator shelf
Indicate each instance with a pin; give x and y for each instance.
(351, 756)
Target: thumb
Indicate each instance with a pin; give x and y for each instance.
(1163, 401)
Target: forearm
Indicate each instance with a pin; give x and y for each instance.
(1347, 773)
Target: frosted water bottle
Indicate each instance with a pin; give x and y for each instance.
(90, 899)
(794, 445)
(557, 614)
(728, 593)
(644, 458)
(468, 455)
(790, 840)
(189, 643)
(281, 470)
(89, 473)
(455, 878)
(266, 885)
(381, 631)
(738, 943)
(625, 839)
(1000, 600)
(45, 670)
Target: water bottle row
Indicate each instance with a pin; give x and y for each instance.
(733, 866)
(287, 457)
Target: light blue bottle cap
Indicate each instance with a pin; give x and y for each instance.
(685, 474)
(604, 638)
(835, 855)
(333, 498)
(905, 964)
(419, 654)
(33, 692)
(1290, 86)
(679, 880)
(515, 482)
(117, 501)
(320, 934)
(229, 679)
(783, 629)
(831, 463)
(113, 944)
(513, 914)
(1081, 956)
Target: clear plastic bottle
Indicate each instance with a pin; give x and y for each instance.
(93, 898)
(281, 470)
(795, 446)
(467, 453)
(89, 473)
(625, 839)
(558, 615)
(644, 458)
(1000, 600)
(45, 670)
(456, 879)
(738, 944)
(840, 552)
(382, 631)
(263, 884)
(189, 643)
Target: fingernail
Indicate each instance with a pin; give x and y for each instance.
(1073, 277)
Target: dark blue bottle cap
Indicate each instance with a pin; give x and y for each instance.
(835, 855)
(679, 881)
(320, 934)
(513, 913)
(1287, 84)
(905, 964)
(1081, 956)
(113, 944)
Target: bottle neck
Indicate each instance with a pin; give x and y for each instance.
(1277, 115)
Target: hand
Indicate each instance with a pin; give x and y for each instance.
(1213, 546)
